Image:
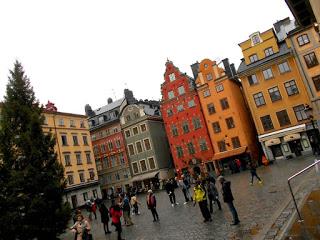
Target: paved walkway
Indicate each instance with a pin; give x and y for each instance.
(257, 206)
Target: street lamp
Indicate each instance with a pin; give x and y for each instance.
(314, 138)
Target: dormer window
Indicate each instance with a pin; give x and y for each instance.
(255, 39)
(172, 77)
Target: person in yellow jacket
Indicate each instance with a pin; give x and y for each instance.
(200, 197)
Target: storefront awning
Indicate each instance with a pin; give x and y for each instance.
(230, 153)
(291, 137)
(271, 142)
(144, 176)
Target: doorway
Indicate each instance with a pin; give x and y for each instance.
(276, 150)
(296, 147)
(74, 201)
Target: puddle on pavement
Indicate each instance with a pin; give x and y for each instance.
(310, 227)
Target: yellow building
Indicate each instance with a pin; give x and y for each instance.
(305, 42)
(74, 151)
(275, 93)
(226, 114)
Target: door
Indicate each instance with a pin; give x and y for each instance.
(276, 150)
(74, 201)
(296, 147)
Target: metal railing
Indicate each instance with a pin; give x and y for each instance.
(295, 175)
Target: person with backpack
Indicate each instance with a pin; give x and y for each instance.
(200, 197)
(152, 205)
(126, 210)
(116, 213)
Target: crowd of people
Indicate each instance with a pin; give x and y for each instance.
(205, 194)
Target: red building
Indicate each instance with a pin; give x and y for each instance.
(184, 122)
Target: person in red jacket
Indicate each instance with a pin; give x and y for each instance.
(116, 213)
(152, 204)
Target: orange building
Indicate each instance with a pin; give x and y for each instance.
(227, 117)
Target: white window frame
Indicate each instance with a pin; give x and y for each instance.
(142, 149)
(136, 162)
(181, 90)
(145, 126)
(145, 148)
(145, 163)
(171, 94)
(125, 133)
(155, 164)
(206, 93)
(172, 77)
(133, 130)
(134, 151)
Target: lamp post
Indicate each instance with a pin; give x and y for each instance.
(314, 138)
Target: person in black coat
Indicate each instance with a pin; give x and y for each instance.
(104, 212)
(228, 199)
(170, 191)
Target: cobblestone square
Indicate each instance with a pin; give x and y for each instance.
(257, 205)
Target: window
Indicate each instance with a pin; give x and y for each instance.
(266, 122)
(216, 127)
(219, 88)
(169, 112)
(252, 79)
(283, 118)
(209, 76)
(174, 130)
(127, 133)
(81, 176)
(61, 122)
(135, 130)
(303, 39)
(98, 164)
(113, 161)
(180, 108)
(128, 118)
(196, 123)
(118, 143)
(179, 151)
(135, 167)
(253, 58)
(185, 127)
(143, 165)
(206, 93)
(291, 88)
(172, 77)
(136, 115)
(131, 149)
(78, 157)
(143, 128)
(93, 137)
(82, 124)
(259, 99)
(181, 90)
(115, 130)
(67, 160)
(106, 162)
(70, 179)
(267, 74)
(284, 67)
(211, 108)
(88, 157)
(117, 176)
(230, 122)
(95, 150)
(190, 148)
(72, 123)
(222, 146)
(122, 160)
(274, 94)
(224, 103)
(147, 144)
(300, 113)
(170, 95)
(85, 140)
(316, 81)
(139, 147)
(110, 146)
(95, 193)
(91, 174)
(191, 103)
(64, 140)
(203, 145)
(75, 140)
(103, 148)
(152, 164)
(311, 60)
(255, 39)
(268, 51)
(85, 196)
(235, 142)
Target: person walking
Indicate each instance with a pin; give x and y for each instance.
(104, 213)
(253, 171)
(126, 210)
(200, 197)
(228, 199)
(94, 208)
(213, 194)
(134, 202)
(81, 228)
(170, 191)
(152, 205)
(116, 213)
(184, 190)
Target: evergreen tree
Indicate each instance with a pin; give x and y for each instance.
(31, 179)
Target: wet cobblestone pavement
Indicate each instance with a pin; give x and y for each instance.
(257, 205)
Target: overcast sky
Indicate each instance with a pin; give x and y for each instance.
(77, 52)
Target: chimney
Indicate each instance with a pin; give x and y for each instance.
(195, 69)
(128, 94)
(88, 110)
(110, 100)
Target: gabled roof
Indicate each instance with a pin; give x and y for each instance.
(109, 107)
(283, 50)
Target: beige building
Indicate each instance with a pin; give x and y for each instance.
(74, 151)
